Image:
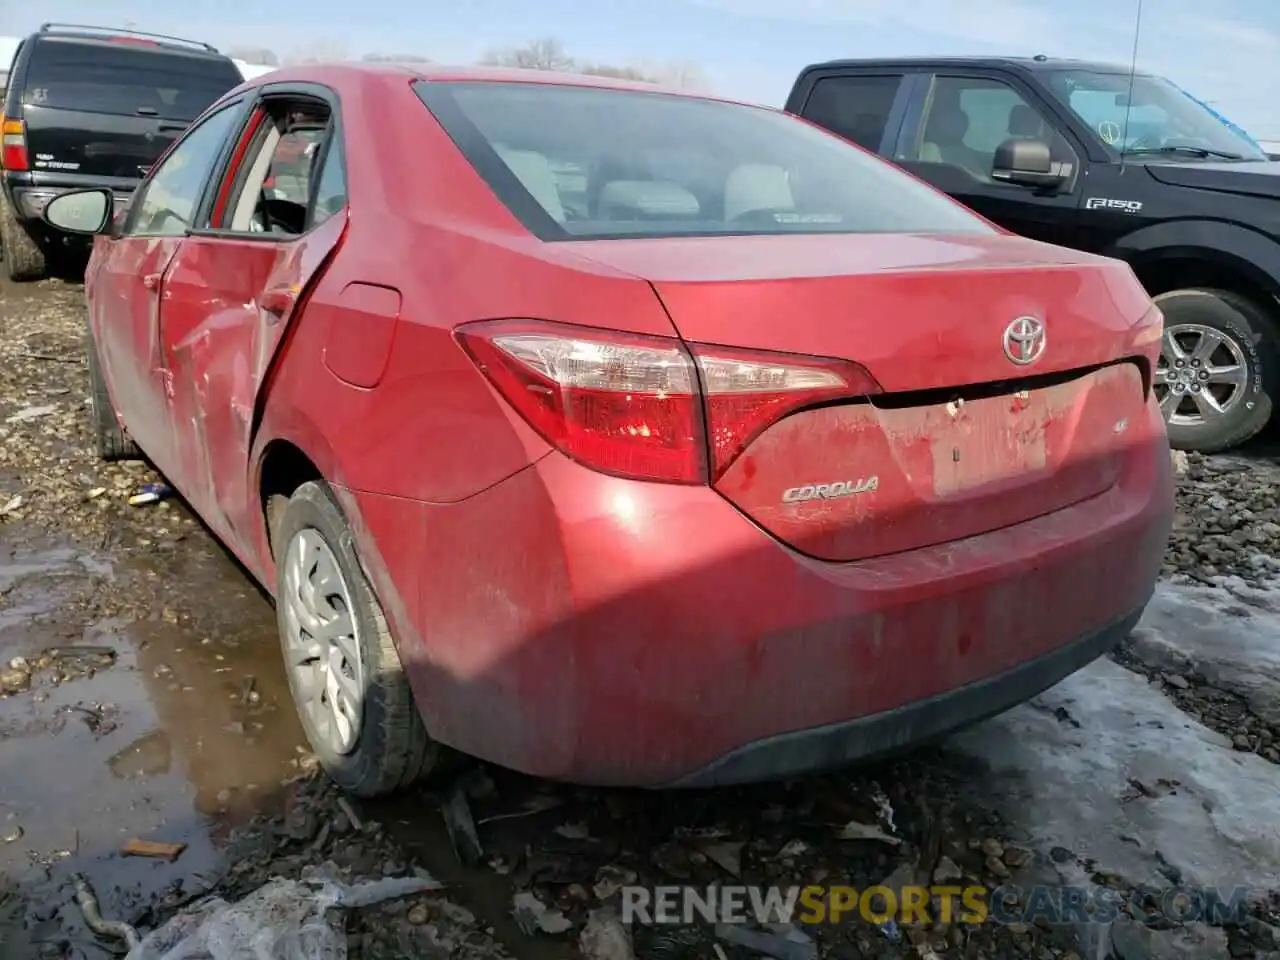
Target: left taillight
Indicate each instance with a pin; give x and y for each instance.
(13, 145)
(649, 408)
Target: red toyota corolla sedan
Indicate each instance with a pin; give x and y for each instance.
(622, 436)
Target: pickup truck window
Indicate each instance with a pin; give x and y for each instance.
(576, 162)
(1160, 117)
(857, 108)
(967, 118)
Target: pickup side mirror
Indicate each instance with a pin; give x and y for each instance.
(1028, 163)
(86, 212)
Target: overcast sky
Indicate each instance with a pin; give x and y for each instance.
(1226, 52)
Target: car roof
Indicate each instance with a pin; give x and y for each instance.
(1036, 64)
(336, 73)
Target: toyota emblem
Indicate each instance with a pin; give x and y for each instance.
(1024, 340)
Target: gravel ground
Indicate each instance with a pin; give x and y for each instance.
(128, 642)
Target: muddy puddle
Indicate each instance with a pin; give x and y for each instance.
(125, 720)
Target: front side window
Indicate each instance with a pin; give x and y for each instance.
(580, 162)
(1155, 119)
(278, 180)
(167, 203)
(967, 118)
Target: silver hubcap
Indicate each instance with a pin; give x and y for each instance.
(1201, 375)
(322, 641)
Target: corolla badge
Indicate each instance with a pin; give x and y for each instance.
(830, 491)
(1024, 340)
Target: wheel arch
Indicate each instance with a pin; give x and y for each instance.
(1180, 255)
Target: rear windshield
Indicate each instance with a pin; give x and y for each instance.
(119, 78)
(577, 162)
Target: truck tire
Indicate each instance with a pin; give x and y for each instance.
(1219, 368)
(112, 442)
(23, 258)
(348, 684)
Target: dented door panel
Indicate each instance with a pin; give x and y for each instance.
(131, 287)
(230, 304)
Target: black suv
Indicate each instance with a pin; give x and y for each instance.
(92, 107)
(1085, 155)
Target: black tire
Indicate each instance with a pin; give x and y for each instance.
(1256, 335)
(112, 441)
(23, 258)
(393, 749)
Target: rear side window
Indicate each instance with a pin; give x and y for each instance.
(857, 108)
(125, 79)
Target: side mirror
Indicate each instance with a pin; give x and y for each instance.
(1028, 163)
(80, 211)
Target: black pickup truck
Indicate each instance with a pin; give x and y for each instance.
(1089, 156)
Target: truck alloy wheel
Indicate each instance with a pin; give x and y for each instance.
(1215, 375)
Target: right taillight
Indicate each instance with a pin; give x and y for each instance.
(13, 145)
(650, 408)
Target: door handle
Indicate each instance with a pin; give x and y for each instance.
(151, 281)
(277, 302)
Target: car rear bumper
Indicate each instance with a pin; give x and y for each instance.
(599, 630)
(862, 738)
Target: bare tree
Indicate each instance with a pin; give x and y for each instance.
(544, 54)
(318, 51)
(680, 74)
(618, 73)
(548, 53)
(395, 58)
(256, 55)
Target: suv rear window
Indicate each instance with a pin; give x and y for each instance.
(128, 79)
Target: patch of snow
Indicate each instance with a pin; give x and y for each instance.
(1064, 767)
(1230, 635)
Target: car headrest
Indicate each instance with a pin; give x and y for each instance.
(756, 186)
(534, 172)
(636, 199)
(946, 123)
(1024, 121)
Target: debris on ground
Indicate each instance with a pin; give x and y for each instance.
(154, 849)
(456, 811)
(151, 493)
(853, 830)
(88, 903)
(605, 938)
(773, 945)
(534, 916)
(283, 920)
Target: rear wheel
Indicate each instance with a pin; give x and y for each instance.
(111, 440)
(345, 675)
(23, 258)
(1218, 369)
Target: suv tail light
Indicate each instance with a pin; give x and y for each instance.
(650, 408)
(13, 145)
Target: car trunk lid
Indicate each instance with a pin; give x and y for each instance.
(963, 439)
